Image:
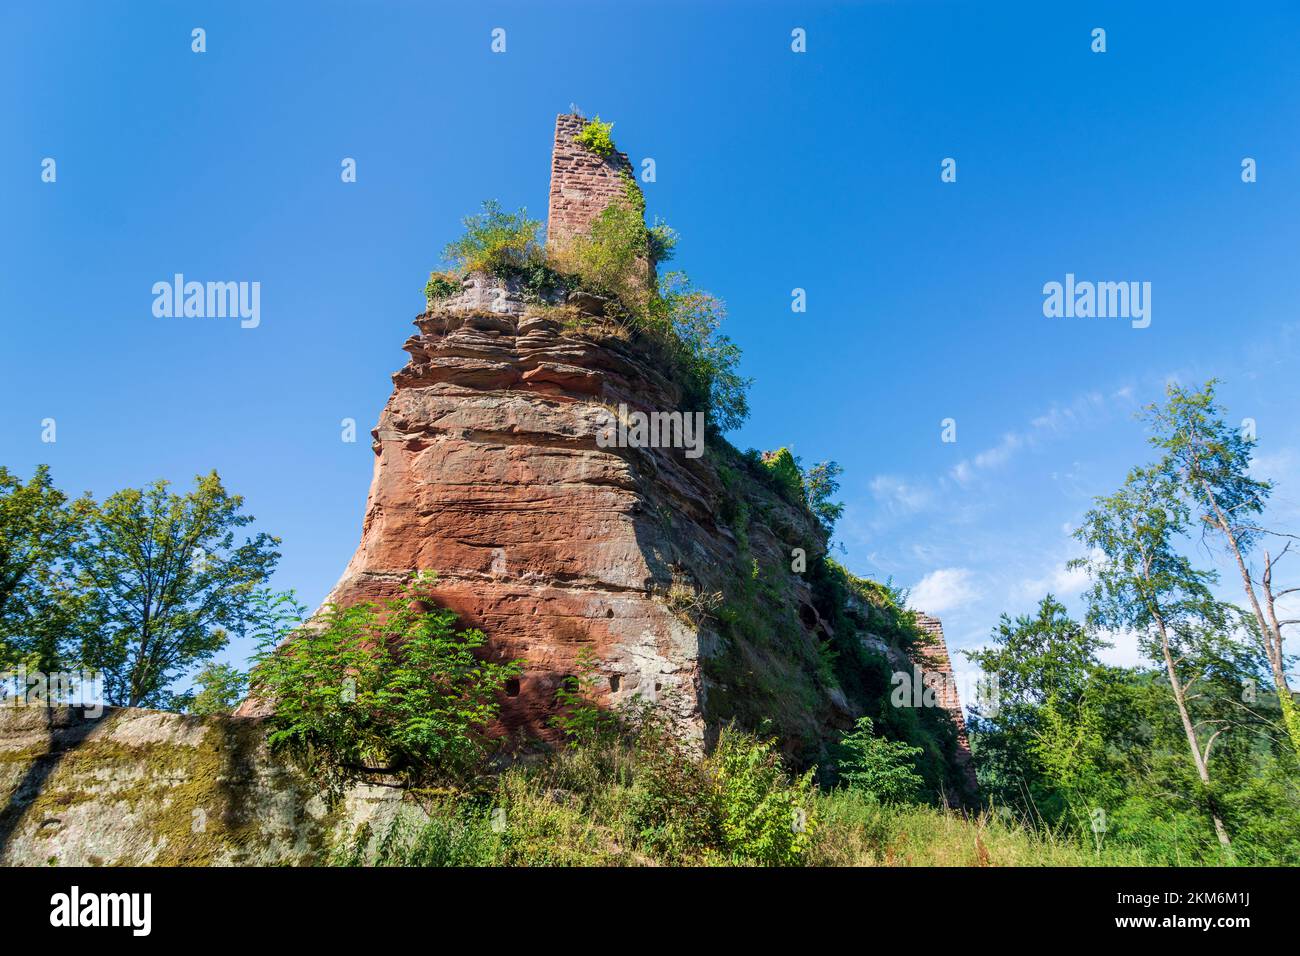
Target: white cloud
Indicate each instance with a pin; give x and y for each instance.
(1123, 651)
(900, 496)
(1082, 411)
(1063, 581)
(942, 590)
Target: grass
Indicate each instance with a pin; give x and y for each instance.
(580, 808)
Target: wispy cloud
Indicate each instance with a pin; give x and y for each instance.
(1058, 421)
(942, 590)
(900, 496)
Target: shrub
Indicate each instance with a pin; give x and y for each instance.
(581, 720)
(610, 258)
(673, 809)
(441, 285)
(496, 242)
(688, 321)
(812, 487)
(883, 768)
(595, 137)
(388, 688)
(765, 816)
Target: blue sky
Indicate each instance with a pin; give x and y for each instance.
(780, 170)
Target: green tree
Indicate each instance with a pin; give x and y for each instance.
(220, 689)
(1141, 582)
(38, 530)
(1211, 461)
(159, 582)
(1041, 665)
(883, 768)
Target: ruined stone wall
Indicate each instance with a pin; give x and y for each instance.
(141, 787)
(937, 660)
(582, 183)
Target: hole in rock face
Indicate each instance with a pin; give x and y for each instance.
(512, 687)
(609, 612)
(808, 616)
(658, 686)
(614, 681)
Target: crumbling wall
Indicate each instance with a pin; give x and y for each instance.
(938, 661)
(142, 787)
(582, 183)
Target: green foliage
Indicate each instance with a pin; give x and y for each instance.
(441, 285)
(158, 582)
(812, 488)
(609, 259)
(595, 137)
(765, 815)
(883, 768)
(1211, 462)
(452, 834)
(785, 473)
(687, 321)
(220, 689)
(672, 807)
(389, 688)
(38, 529)
(581, 720)
(496, 242)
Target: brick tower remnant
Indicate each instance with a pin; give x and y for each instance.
(938, 661)
(583, 183)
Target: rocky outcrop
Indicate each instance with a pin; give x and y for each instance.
(691, 580)
(489, 473)
(140, 787)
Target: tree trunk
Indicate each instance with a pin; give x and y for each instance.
(1272, 635)
(1202, 768)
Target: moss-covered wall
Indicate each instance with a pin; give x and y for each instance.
(146, 787)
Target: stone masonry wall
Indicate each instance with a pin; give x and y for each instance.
(582, 183)
(141, 787)
(936, 656)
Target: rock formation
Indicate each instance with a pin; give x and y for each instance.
(674, 572)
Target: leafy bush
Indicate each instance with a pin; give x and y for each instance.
(496, 242)
(812, 487)
(883, 768)
(765, 816)
(784, 469)
(673, 807)
(610, 258)
(595, 137)
(441, 285)
(388, 688)
(581, 720)
(688, 321)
